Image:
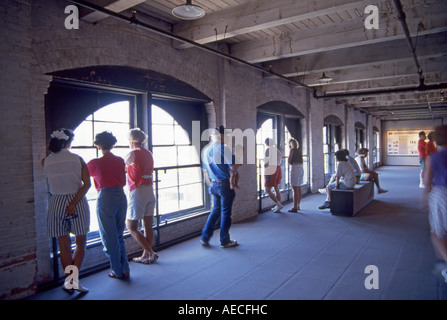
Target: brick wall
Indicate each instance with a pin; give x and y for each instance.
(17, 223)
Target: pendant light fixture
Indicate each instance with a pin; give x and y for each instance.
(188, 11)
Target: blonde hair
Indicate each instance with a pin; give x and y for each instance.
(137, 135)
(294, 142)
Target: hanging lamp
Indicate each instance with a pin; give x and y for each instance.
(188, 11)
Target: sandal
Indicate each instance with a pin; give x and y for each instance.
(141, 260)
(153, 258)
(293, 210)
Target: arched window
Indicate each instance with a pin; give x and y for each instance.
(332, 142)
(279, 121)
(359, 136)
(376, 147)
(131, 99)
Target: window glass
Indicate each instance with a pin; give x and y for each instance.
(168, 200)
(165, 156)
(190, 196)
(180, 188)
(187, 155)
(189, 175)
(115, 112)
(163, 134)
(167, 178)
(83, 134)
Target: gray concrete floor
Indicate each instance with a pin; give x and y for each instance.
(311, 255)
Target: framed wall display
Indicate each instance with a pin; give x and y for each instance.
(403, 142)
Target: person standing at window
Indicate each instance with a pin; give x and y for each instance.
(422, 148)
(109, 176)
(273, 173)
(68, 210)
(218, 166)
(295, 161)
(140, 166)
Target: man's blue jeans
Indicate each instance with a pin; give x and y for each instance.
(223, 198)
(111, 209)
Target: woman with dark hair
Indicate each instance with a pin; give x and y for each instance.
(109, 176)
(344, 177)
(68, 211)
(295, 161)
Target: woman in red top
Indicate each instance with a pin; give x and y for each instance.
(140, 166)
(109, 176)
(430, 147)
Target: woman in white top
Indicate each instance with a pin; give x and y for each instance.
(344, 178)
(68, 211)
(367, 174)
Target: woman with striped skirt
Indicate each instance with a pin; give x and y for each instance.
(68, 211)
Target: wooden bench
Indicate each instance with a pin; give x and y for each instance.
(350, 202)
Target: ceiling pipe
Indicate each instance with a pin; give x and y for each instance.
(402, 18)
(135, 21)
(422, 87)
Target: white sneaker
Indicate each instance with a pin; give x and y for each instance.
(75, 286)
(231, 244)
(80, 288)
(277, 210)
(274, 208)
(280, 206)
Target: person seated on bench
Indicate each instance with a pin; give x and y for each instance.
(354, 165)
(367, 174)
(344, 178)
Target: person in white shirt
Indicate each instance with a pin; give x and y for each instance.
(68, 211)
(344, 178)
(354, 164)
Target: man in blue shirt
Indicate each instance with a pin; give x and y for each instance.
(218, 166)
